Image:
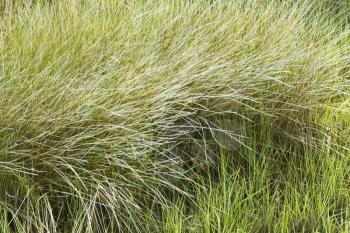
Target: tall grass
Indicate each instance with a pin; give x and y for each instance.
(107, 106)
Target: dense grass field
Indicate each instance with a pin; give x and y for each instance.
(174, 116)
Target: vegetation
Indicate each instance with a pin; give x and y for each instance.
(174, 116)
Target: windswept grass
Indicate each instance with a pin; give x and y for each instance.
(111, 112)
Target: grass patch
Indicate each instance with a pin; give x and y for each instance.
(138, 116)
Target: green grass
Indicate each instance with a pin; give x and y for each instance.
(174, 116)
(269, 192)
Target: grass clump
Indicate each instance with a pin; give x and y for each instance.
(107, 107)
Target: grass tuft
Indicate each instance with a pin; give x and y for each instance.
(110, 110)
